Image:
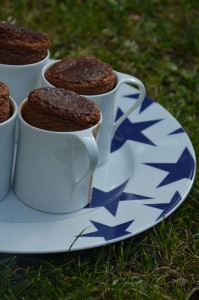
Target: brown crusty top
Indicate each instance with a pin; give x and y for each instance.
(5, 107)
(83, 75)
(58, 109)
(20, 45)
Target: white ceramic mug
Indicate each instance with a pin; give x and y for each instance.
(53, 171)
(21, 79)
(7, 133)
(106, 103)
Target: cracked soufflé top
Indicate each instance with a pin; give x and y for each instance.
(58, 109)
(83, 75)
(5, 106)
(20, 45)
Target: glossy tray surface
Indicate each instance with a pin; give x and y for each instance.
(150, 171)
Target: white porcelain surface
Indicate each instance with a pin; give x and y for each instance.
(21, 79)
(55, 167)
(148, 176)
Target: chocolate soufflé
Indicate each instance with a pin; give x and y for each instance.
(20, 45)
(5, 106)
(57, 109)
(83, 75)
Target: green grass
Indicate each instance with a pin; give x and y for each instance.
(158, 42)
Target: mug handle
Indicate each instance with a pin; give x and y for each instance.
(125, 78)
(91, 147)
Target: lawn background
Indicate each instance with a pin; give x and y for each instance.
(158, 42)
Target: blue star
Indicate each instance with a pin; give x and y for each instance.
(109, 232)
(183, 168)
(177, 131)
(167, 207)
(145, 104)
(108, 199)
(128, 196)
(131, 131)
(111, 199)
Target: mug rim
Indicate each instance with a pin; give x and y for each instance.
(14, 113)
(48, 65)
(51, 132)
(28, 65)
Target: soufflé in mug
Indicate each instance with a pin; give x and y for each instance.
(83, 75)
(57, 109)
(57, 155)
(5, 106)
(21, 46)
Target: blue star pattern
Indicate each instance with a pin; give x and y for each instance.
(129, 196)
(131, 131)
(183, 168)
(166, 207)
(121, 202)
(145, 104)
(108, 199)
(179, 130)
(109, 232)
(134, 200)
(111, 199)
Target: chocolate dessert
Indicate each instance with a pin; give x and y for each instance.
(5, 107)
(83, 75)
(58, 109)
(20, 45)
